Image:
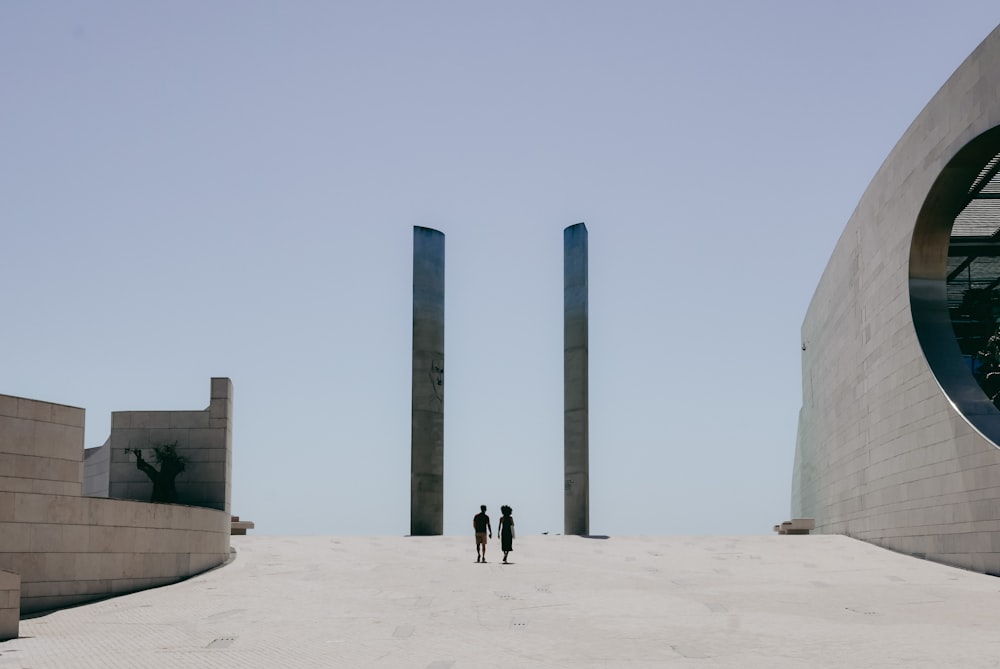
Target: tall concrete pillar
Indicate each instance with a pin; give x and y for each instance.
(427, 424)
(576, 427)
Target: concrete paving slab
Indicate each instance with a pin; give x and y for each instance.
(636, 602)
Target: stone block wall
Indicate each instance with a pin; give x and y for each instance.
(40, 449)
(10, 596)
(203, 437)
(68, 550)
(64, 548)
(96, 470)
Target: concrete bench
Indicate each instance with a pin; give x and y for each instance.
(240, 526)
(10, 605)
(796, 526)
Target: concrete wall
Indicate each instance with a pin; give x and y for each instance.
(97, 470)
(66, 548)
(203, 437)
(69, 550)
(10, 597)
(41, 449)
(884, 453)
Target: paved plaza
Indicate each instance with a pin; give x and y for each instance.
(753, 601)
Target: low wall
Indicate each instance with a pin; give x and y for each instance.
(10, 595)
(69, 550)
(65, 548)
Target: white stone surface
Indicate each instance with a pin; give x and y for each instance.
(761, 601)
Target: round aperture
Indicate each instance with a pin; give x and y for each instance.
(955, 281)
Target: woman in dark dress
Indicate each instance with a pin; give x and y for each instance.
(506, 529)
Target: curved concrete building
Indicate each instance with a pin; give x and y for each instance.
(899, 426)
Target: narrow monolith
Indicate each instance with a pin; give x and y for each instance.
(427, 421)
(576, 430)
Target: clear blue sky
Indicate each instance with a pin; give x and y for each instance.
(195, 189)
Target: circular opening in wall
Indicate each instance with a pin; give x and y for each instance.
(955, 281)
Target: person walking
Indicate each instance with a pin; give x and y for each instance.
(481, 525)
(505, 528)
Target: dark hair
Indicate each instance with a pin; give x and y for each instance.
(482, 507)
(506, 510)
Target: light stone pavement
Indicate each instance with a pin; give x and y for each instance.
(754, 601)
